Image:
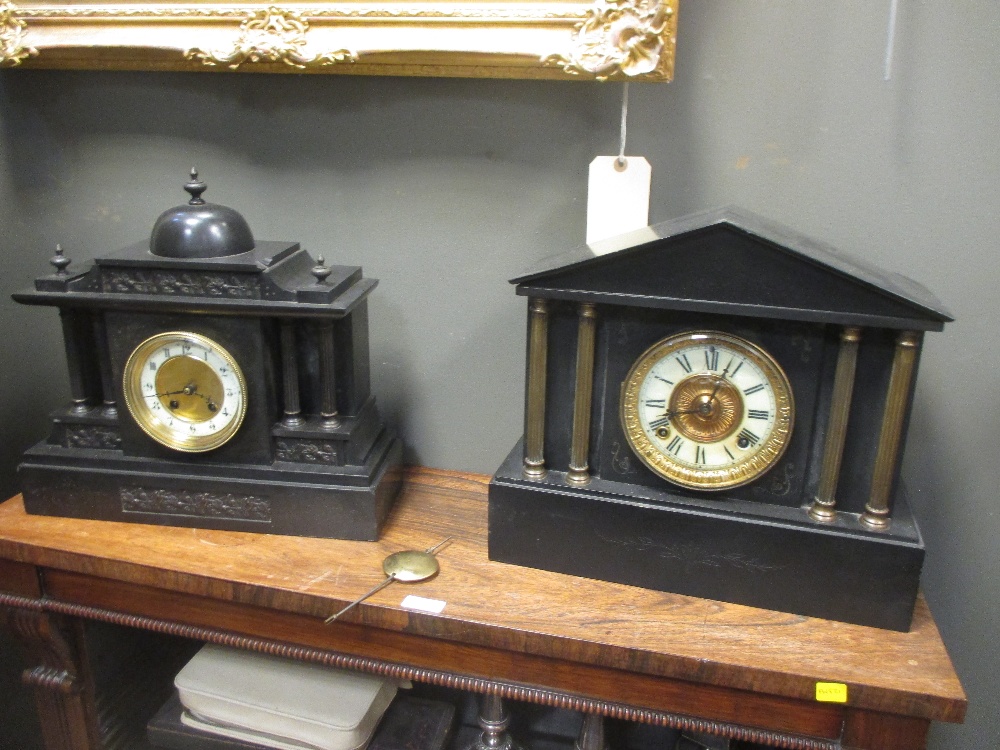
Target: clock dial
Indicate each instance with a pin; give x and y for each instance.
(185, 391)
(707, 410)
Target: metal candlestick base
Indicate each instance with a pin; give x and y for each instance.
(591, 735)
(494, 722)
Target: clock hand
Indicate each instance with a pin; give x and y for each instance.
(720, 380)
(671, 414)
(704, 407)
(188, 390)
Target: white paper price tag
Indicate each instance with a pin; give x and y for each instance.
(420, 604)
(617, 196)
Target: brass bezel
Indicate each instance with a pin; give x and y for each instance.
(755, 464)
(150, 423)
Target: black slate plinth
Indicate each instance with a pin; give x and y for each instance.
(732, 551)
(335, 502)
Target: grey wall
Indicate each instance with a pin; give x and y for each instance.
(443, 189)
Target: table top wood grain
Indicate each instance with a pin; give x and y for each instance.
(505, 607)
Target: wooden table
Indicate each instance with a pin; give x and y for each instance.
(600, 648)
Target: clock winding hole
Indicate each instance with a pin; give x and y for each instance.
(189, 388)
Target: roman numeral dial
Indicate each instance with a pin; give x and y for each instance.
(707, 410)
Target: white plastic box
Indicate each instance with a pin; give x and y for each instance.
(281, 703)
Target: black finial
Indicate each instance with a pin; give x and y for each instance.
(195, 187)
(60, 261)
(321, 270)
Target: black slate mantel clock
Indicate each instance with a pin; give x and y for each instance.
(217, 382)
(717, 406)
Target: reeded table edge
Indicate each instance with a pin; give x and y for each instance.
(507, 690)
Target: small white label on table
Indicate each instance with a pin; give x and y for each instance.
(420, 604)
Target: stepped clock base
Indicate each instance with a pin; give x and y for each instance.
(745, 553)
(341, 502)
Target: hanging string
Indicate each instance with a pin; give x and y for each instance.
(620, 162)
(890, 39)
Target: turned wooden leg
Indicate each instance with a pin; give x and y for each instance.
(64, 691)
(494, 721)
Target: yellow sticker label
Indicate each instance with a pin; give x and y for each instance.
(831, 692)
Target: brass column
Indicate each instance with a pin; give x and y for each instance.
(825, 502)
(534, 407)
(580, 447)
(876, 515)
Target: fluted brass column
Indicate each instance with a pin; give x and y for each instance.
(876, 515)
(825, 502)
(579, 471)
(534, 407)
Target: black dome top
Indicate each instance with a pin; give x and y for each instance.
(199, 229)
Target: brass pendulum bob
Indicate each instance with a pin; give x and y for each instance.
(408, 566)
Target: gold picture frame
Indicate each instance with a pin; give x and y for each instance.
(567, 39)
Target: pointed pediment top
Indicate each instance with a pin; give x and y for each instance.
(858, 292)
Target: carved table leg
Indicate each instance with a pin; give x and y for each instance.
(494, 721)
(64, 690)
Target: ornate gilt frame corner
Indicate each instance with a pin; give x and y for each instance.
(568, 39)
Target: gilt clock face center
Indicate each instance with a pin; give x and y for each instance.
(707, 410)
(185, 391)
(200, 398)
